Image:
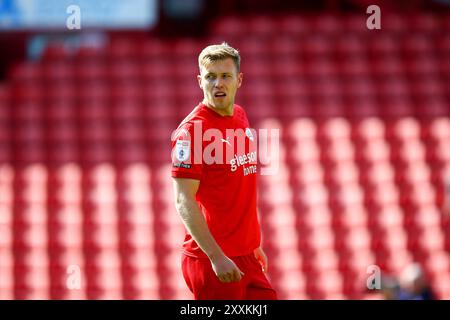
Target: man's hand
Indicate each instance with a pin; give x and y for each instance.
(262, 258)
(226, 270)
(184, 192)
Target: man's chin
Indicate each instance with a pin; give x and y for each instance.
(221, 104)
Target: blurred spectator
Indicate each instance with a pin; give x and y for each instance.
(183, 17)
(184, 9)
(390, 288)
(414, 285)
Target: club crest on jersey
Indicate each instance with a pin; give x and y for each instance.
(249, 133)
(182, 150)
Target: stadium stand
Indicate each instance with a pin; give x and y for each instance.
(85, 147)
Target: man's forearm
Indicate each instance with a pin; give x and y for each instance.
(196, 225)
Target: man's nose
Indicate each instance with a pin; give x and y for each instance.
(218, 83)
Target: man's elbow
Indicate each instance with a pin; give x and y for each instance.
(182, 201)
(179, 201)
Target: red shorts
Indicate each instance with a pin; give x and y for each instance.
(205, 285)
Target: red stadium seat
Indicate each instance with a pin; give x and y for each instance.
(344, 172)
(339, 151)
(66, 235)
(6, 282)
(102, 236)
(122, 48)
(370, 129)
(438, 263)
(291, 286)
(335, 129)
(316, 46)
(293, 25)
(261, 26)
(308, 173)
(302, 129)
(347, 195)
(390, 217)
(406, 129)
(350, 46)
(6, 237)
(229, 27)
(439, 128)
(314, 194)
(379, 173)
(375, 151)
(284, 238)
(304, 151)
(441, 286)
(357, 239)
(348, 217)
(320, 239)
(417, 173)
(30, 111)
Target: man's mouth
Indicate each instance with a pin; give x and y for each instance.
(220, 94)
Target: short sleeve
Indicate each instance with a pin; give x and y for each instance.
(187, 161)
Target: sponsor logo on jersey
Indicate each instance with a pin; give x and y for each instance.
(243, 160)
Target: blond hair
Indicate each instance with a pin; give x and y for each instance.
(218, 52)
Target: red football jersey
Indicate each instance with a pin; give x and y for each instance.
(220, 151)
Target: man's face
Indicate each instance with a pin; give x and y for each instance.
(219, 82)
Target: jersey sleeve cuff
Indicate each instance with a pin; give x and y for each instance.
(188, 175)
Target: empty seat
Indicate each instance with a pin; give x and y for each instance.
(335, 129)
(383, 195)
(314, 194)
(354, 240)
(291, 286)
(302, 129)
(339, 151)
(390, 217)
(344, 172)
(231, 26)
(347, 195)
(439, 128)
(293, 24)
(370, 129)
(375, 151)
(316, 217)
(309, 173)
(352, 216)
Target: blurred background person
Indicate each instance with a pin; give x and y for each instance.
(390, 288)
(414, 284)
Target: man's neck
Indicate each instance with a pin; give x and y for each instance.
(223, 112)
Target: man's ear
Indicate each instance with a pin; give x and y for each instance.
(240, 78)
(199, 79)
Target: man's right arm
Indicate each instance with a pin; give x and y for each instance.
(193, 220)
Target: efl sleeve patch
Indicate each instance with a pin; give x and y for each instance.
(182, 150)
